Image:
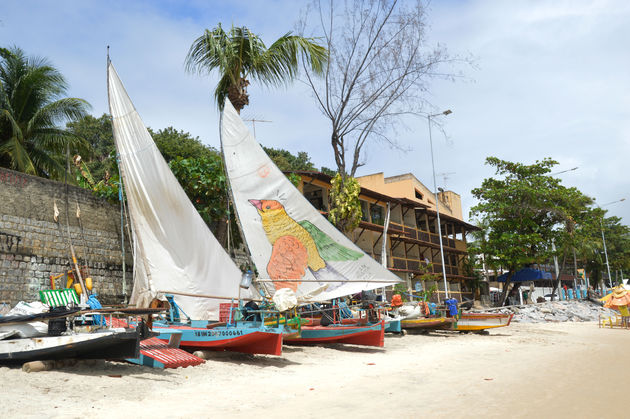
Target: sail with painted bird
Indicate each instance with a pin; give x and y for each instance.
(290, 242)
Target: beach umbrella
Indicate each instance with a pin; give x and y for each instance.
(618, 297)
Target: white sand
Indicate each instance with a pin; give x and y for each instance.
(525, 370)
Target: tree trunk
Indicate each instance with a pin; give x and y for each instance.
(508, 281)
(555, 285)
(238, 95)
(221, 233)
(575, 269)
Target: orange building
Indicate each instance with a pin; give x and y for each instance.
(412, 246)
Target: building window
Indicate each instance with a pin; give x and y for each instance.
(365, 214)
(419, 195)
(315, 197)
(376, 213)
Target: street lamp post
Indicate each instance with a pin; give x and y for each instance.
(601, 223)
(437, 205)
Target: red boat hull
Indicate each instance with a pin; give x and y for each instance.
(252, 342)
(367, 335)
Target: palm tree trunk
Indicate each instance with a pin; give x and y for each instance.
(238, 95)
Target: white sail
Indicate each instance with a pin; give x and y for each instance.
(173, 248)
(288, 239)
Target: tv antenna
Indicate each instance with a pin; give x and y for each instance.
(253, 119)
(446, 176)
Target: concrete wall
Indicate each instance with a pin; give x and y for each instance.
(405, 186)
(33, 246)
(453, 203)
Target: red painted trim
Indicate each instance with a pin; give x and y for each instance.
(369, 337)
(251, 343)
(442, 322)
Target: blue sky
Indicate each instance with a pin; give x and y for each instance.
(551, 80)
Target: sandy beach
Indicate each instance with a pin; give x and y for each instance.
(525, 370)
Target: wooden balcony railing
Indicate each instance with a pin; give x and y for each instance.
(416, 265)
(425, 236)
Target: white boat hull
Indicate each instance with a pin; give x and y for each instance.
(482, 321)
(107, 344)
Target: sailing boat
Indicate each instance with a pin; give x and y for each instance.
(291, 244)
(174, 251)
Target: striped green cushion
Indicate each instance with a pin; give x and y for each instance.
(58, 298)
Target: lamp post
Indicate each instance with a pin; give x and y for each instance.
(437, 204)
(601, 223)
(554, 246)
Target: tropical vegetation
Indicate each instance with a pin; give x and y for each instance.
(522, 209)
(238, 55)
(345, 209)
(526, 217)
(32, 108)
(197, 167)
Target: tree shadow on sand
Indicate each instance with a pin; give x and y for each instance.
(292, 349)
(248, 359)
(433, 333)
(352, 348)
(102, 368)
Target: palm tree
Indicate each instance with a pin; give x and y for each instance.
(31, 108)
(239, 54)
(477, 247)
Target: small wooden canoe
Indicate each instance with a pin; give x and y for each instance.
(105, 344)
(356, 334)
(429, 323)
(482, 321)
(391, 325)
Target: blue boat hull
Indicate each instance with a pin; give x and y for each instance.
(393, 326)
(246, 337)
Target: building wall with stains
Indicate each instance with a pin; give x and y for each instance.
(33, 246)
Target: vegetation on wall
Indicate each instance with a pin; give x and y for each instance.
(345, 211)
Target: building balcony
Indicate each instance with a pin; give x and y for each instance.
(414, 235)
(420, 267)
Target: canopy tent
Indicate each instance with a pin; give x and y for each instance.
(525, 275)
(618, 297)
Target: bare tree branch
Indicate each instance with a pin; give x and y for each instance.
(379, 70)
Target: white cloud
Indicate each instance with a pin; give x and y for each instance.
(552, 81)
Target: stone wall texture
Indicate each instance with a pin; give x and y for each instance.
(33, 246)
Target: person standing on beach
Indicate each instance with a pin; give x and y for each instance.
(625, 316)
